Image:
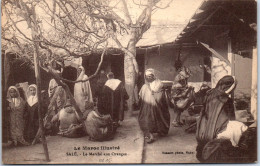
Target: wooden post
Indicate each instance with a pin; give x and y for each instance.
(254, 84)
(38, 83)
(231, 58)
(232, 62)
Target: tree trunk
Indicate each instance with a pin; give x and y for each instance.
(34, 32)
(38, 83)
(130, 70)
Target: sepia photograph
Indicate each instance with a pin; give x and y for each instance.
(129, 81)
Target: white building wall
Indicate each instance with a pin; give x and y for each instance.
(218, 70)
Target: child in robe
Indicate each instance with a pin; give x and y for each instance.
(16, 106)
(32, 120)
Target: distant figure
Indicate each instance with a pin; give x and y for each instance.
(101, 81)
(57, 95)
(111, 100)
(181, 94)
(22, 90)
(154, 116)
(218, 111)
(69, 125)
(57, 99)
(52, 85)
(32, 120)
(99, 127)
(136, 90)
(82, 90)
(17, 110)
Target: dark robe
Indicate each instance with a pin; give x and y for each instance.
(6, 122)
(100, 83)
(32, 118)
(111, 101)
(222, 151)
(154, 116)
(32, 122)
(218, 110)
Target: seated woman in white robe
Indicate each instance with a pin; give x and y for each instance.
(82, 90)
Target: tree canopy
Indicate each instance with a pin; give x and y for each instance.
(78, 27)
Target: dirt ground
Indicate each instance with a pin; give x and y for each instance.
(177, 147)
(129, 140)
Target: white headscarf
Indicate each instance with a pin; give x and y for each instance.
(149, 71)
(31, 100)
(82, 73)
(52, 85)
(113, 83)
(156, 85)
(82, 90)
(233, 86)
(17, 100)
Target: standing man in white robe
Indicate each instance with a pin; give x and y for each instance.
(82, 90)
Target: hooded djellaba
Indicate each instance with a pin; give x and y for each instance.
(82, 90)
(154, 116)
(218, 111)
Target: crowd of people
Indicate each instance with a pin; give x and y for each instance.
(220, 137)
(102, 117)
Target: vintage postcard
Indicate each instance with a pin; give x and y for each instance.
(129, 81)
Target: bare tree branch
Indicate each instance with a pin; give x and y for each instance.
(48, 69)
(126, 12)
(8, 15)
(92, 76)
(67, 14)
(130, 54)
(65, 10)
(66, 88)
(166, 6)
(139, 4)
(44, 41)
